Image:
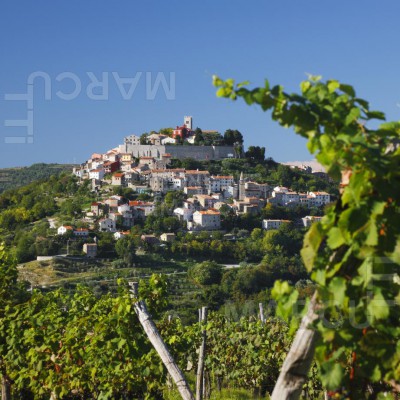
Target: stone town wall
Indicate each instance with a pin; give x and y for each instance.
(180, 152)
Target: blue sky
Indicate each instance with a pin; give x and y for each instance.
(356, 42)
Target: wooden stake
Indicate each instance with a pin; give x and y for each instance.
(200, 387)
(159, 345)
(298, 361)
(5, 388)
(260, 306)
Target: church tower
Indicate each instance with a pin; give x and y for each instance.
(242, 188)
(188, 122)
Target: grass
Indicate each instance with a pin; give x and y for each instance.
(225, 394)
(38, 273)
(61, 271)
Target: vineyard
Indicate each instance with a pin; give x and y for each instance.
(342, 343)
(82, 346)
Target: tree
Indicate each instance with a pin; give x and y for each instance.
(106, 244)
(255, 153)
(144, 138)
(174, 199)
(232, 137)
(166, 131)
(198, 137)
(190, 163)
(125, 249)
(206, 273)
(25, 250)
(357, 237)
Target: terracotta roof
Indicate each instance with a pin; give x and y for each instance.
(167, 170)
(223, 177)
(67, 227)
(119, 175)
(140, 203)
(192, 172)
(210, 212)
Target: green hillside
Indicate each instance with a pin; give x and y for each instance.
(11, 178)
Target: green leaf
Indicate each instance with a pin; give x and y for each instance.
(333, 85)
(280, 289)
(363, 103)
(353, 115)
(305, 85)
(241, 84)
(365, 272)
(335, 238)
(376, 374)
(319, 276)
(378, 307)
(351, 220)
(312, 242)
(348, 89)
(121, 343)
(338, 289)
(217, 81)
(331, 375)
(223, 92)
(376, 115)
(372, 234)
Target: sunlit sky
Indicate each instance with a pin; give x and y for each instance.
(355, 41)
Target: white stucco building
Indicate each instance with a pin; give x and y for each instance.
(269, 224)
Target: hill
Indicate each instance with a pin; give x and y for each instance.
(11, 178)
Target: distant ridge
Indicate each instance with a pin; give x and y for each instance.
(15, 177)
(314, 164)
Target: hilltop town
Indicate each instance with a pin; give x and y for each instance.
(145, 165)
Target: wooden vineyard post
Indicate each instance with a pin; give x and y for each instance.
(262, 318)
(5, 388)
(298, 361)
(200, 381)
(159, 345)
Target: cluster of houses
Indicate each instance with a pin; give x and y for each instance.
(143, 165)
(200, 210)
(135, 162)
